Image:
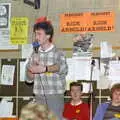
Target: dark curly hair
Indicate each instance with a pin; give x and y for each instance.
(47, 27)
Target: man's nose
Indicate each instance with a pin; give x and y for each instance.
(36, 37)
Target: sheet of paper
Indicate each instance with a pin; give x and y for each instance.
(22, 70)
(96, 74)
(114, 70)
(103, 83)
(7, 75)
(79, 69)
(106, 49)
(26, 50)
(82, 68)
(4, 40)
(70, 75)
(87, 87)
(7, 108)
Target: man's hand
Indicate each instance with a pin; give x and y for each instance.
(35, 69)
(30, 75)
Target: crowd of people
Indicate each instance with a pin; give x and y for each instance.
(76, 109)
(48, 73)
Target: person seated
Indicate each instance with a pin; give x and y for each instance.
(110, 110)
(35, 111)
(76, 109)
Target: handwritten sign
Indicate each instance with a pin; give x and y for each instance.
(87, 22)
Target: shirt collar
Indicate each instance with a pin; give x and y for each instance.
(50, 48)
(76, 103)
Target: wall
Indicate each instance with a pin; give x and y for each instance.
(53, 8)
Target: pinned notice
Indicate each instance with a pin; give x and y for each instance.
(19, 30)
(7, 75)
(7, 108)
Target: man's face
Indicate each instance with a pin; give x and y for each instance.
(76, 93)
(116, 96)
(41, 36)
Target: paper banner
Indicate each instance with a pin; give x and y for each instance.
(87, 22)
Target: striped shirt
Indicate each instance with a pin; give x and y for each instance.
(50, 83)
(111, 113)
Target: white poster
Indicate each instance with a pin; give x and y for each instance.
(7, 75)
(79, 68)
(82, 68)
(4, 40)
(114, 70)
(5, 14)
(7, 108)
(70, 75)
(22, 70)
(87, 87)
(106, 49)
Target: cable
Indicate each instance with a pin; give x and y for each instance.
(36, 46)
(90, 100)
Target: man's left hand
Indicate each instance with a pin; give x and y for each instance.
(37, 69)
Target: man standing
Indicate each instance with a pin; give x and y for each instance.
(49, 72)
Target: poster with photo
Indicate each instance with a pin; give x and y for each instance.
(5, 10)
(82, 44)
(5, 15)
